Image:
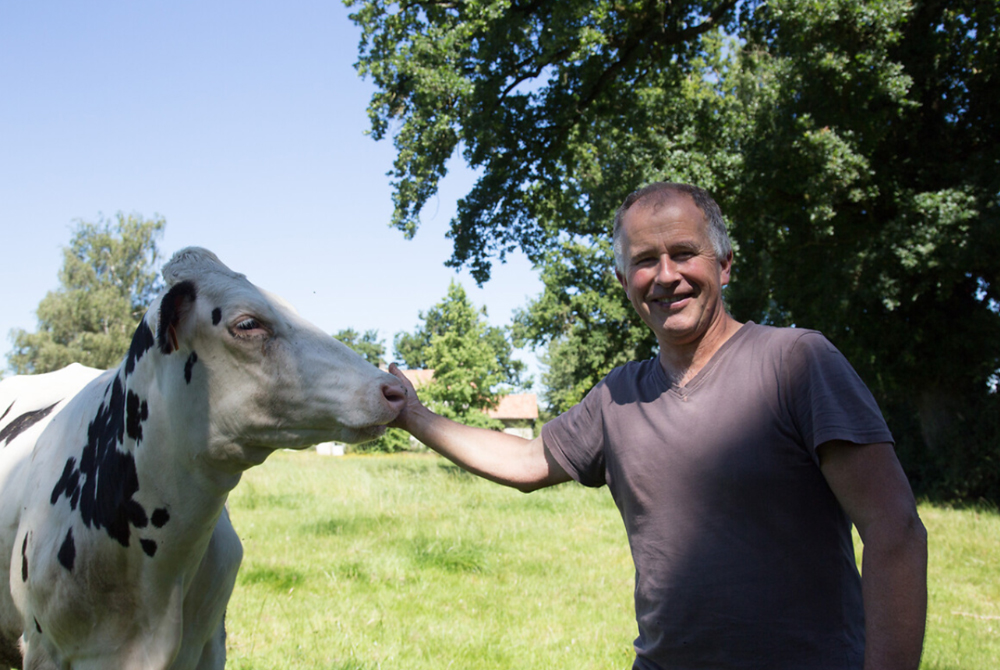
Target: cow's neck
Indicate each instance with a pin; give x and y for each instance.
(162, 418)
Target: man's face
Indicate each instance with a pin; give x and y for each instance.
(671, 274)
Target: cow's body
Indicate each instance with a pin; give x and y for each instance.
(113, 484)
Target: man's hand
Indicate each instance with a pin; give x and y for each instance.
(505, 459)
(413, 404)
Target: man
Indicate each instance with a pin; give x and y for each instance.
(738, 458)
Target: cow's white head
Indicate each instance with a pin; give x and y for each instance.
(247, 374)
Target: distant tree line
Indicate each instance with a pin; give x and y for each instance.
(110, 275)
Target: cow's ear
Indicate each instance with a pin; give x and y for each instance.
(176, 305)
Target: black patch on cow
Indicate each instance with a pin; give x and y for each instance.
(67, 552)
(160, 517)
(105, 481)
(142, 341)
(216, 316)
(69, 483)
(24, 422)
(148, 546)
(136, 411)
(24, 559)
(38, 626)
(7, 411)
(189, 366)
(173, 307)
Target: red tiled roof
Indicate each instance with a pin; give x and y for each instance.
(516, 406)
(418, 377)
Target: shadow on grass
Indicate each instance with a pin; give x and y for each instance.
(276, 578)
(447, 554)
(352, 525)
(456, 472)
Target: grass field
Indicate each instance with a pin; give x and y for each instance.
(406, 562)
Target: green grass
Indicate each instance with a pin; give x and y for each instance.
(963, 620)
(407, 562)
(404, 561)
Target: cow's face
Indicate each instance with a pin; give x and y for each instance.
(268, 378)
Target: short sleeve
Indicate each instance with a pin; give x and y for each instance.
(576, 439)
(827, 398)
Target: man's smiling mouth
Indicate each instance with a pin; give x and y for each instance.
(669, 302)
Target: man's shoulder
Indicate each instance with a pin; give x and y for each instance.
(632, 371)
(782, 338)
(635, 381)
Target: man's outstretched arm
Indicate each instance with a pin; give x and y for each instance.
(502, 458)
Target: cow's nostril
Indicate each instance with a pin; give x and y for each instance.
(395, 395)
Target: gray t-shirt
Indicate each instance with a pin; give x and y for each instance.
(743, 556)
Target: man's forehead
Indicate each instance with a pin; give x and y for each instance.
(674, 241)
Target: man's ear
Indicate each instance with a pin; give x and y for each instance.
(621, 279)
(725, 268)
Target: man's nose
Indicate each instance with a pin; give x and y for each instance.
(667, 271)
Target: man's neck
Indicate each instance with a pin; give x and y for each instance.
(683, 362)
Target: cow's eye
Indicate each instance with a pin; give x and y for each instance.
(248, 324)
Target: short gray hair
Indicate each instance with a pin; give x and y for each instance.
(663, 191)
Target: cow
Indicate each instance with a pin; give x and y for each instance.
(113, 484)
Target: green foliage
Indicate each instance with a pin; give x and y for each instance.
(587, 325)
(108, 278)
(368, 345)
(393, 441)
(472, 361)
(866, 208)
(533, 92)
(851, 143)
(405, 562)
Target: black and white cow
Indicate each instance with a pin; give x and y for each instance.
(113, 483)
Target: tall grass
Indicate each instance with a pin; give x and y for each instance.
(404, 561)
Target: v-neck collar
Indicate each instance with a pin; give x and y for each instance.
(706, 370)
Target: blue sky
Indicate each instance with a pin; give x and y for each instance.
(242, 124)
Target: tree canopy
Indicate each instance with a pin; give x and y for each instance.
(472, 361)
(852, 145)
(368, 345)
(108, 278)
(529, 90)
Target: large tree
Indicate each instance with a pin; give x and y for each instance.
(532, 92)
(852, 144)
(472, 361)
(866, 206)
(108, 278)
